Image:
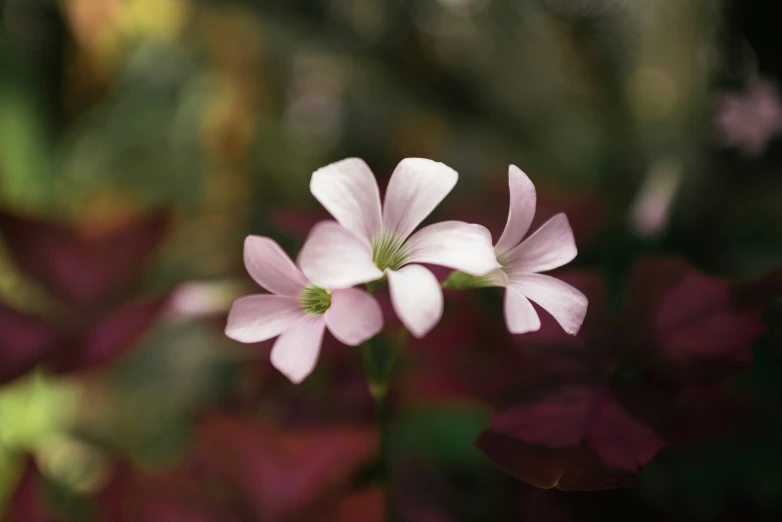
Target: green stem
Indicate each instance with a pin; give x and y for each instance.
(379, 357)
(383, 434)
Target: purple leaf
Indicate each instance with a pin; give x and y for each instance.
(28, 503)
(579, 438)
(690, 325)
(590, 414)
(81, 269)
(24, 342)
(277, 473)
(109, 337)
(239, 469)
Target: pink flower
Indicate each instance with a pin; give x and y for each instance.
(370, 241)
(749, 120)
(551, 246)
(297, 310)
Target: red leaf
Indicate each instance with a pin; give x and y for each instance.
(79, 269)
(166, 496)
(684, 316)
(363, 506)
(187, 494)
(24, 342)
(110, 336)
(279, 474)
(579, 438)
(590, 414)
(27, 504)
(242, 470)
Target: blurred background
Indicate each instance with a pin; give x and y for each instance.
(142, 140)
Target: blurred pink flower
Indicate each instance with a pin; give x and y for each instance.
(650, 212)
(749, 120)
(197, 299)
(297, 310)
(551, 246)
(371, 241)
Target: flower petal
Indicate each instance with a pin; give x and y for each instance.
(520, 315)
(334, 257)
(551, 246)
(565, 303)
(498, 277)
(416, 187)
(296, 351)
(416, 297)
(354, 316)
(348, 190)
(522, 209)
(269, 265)
(454, 244)
(256, 318)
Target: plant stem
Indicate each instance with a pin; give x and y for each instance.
(383, 433)
(379, 357)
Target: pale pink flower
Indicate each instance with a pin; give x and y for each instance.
(549, 247)
(371, 241)
(651, 210)
(297, 310)
(749, 120)
(198, 299)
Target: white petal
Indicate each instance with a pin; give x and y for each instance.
(416, 187)
(416, 297)
(566, 304)
(269, 265)
(454, 244)
(296, 351)
(522, 209)
(334, 257)
(348, 190)
(520, 315)
(551, 246)
(256, 318)
(354, 316)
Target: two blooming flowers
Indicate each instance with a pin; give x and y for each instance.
(370, 241)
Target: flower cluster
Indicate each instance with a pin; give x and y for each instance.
(370, 243)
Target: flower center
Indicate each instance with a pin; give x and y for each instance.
(314, 300)
(504, 260)
(388, 251)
